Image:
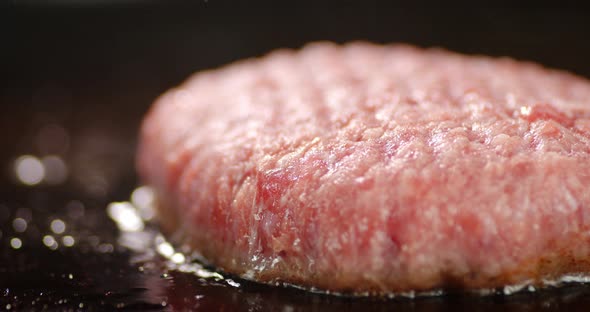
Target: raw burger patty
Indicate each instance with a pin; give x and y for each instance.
(366, 168)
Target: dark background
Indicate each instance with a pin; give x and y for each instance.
(136, 50)
(94, 67)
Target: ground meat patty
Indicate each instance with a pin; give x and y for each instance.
(367, 168)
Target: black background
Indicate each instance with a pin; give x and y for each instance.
(94, 67)
(107, 49)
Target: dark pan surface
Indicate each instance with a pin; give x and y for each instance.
(76, 80)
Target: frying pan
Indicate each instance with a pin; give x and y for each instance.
(77, 78)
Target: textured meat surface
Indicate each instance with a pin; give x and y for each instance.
(376, 168)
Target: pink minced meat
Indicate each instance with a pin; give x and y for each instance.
(366, 168)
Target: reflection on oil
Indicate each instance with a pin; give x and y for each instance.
(68, 241)
(50, 242)
(132, 219)
(58, 226)
(16, 243)
(126, 216)
(29, 170)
